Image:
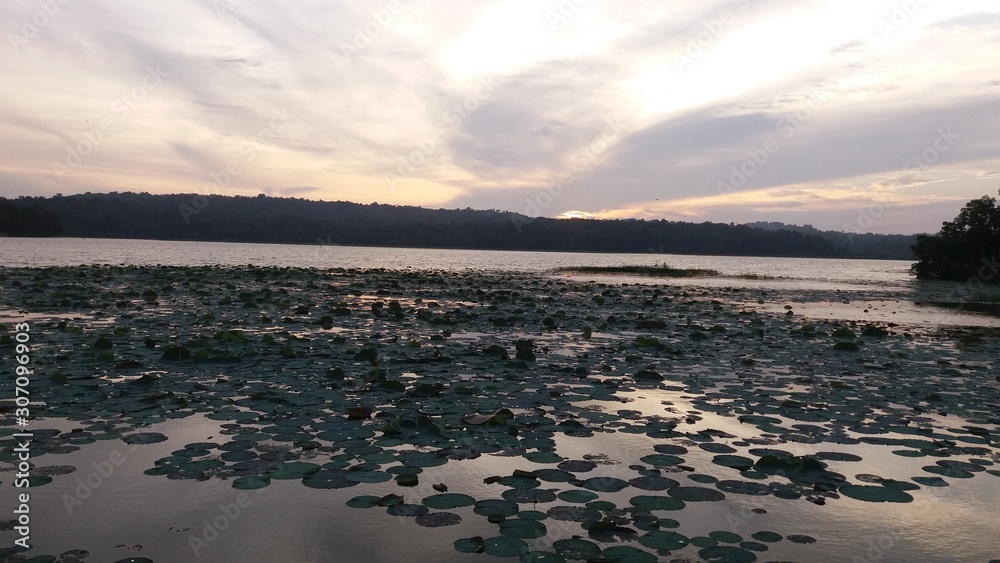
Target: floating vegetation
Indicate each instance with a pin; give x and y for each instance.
(391, 383)
(661, 270)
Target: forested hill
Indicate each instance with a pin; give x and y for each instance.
(292, 220)
(860, 244)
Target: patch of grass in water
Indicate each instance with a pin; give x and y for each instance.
(660, 270)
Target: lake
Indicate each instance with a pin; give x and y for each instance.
(881, 289)
(813, 412)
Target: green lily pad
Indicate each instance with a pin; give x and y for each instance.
(524, 529)
(577, 496)
(363, 501)
(445, 501)
(143, 438)
(948, 471)
(543, 457)
(838, 456)
(727, 554)
(469, 545)
(368, 476)
(726, 537)
(408, 510)
(659, 539)
(753, 546)
(766, 536)
(407, 479)
(577, 466)
(628, 554)
(292, 470)
(605, 484)
(530, 495)
(662, 460)
(652, 483)
(251, 482)
(577, 549)
(704, 541)
(504, 547)
(324, 479)
(495, 507)
(696, 494)
(734, 461)
(541, 557)
(438, 519)
(653, 502)
(573, 513)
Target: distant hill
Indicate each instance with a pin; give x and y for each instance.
(293, 220)
(868, 245)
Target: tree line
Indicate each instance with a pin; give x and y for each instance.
(295, 220)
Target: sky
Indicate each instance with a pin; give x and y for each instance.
(851, 115)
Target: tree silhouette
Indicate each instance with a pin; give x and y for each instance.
(966, 248)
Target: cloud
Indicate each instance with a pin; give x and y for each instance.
(693, 90)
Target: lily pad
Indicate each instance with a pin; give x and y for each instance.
(410, 510)
(605, 484)
(495, 507)
(363, 501)
(628, 554)
(143, 438)
(524, 529)
(577, 496)
(438, 519)
(727, 554)
(734, 461)
(766, 536)
(577, 466)
(696, 494)
(577, 549)
(504, 547)
(652, 502)
(251, 482)
(469, 545)
(659, 539)
(663, 460)
(445, 501)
